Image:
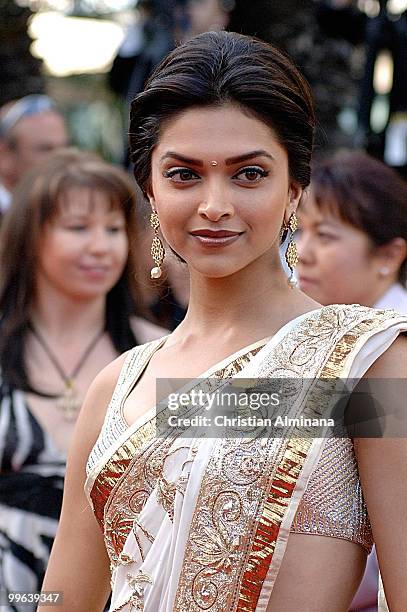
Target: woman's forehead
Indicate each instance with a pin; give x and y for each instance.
(213, 131)
(85, 200)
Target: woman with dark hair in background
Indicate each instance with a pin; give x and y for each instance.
(352, 241)
(221, 141)
(352, 245)
(67, 303)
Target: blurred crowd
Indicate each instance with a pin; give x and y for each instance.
(75, 286)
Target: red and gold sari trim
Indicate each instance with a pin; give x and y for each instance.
(125, 481)
(241, 522)
(116, 468)
(269, 531)
(268, 527)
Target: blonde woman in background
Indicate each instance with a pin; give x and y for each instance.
(69, 304)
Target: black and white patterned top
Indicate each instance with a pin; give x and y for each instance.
(32, 473)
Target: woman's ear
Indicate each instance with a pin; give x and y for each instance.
(295, 192)
(152, 201)
(150, 196)
(391, 256)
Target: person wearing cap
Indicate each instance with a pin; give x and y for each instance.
(30, 129)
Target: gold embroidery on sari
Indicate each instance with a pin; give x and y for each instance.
(247, 486)
(265, 537)
(130, 495)
(219, 538)
(136, 599)
(116, 467)
(166, 495)
(137, 584)
(225, 564)
(125, 559)
(135, 469)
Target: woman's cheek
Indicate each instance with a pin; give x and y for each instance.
(332, 253)
(165, 233)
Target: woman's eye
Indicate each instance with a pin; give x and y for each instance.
(251, 174)
(180, 175)
(325, 237)
(114, 229)
(77, 228)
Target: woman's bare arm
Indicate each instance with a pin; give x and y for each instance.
(79, 566)
(383, 473)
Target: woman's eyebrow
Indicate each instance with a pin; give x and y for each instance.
(328, 223)
(74, 215)
(183, 158)
(240, 158)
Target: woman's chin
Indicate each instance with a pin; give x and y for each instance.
(88, 294)
(215, 272)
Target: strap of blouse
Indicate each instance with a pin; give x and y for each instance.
(114, 425)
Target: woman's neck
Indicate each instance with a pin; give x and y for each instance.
(258, 299)
(59, 316)
(377, 292)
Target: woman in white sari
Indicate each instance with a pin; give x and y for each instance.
(221, 140)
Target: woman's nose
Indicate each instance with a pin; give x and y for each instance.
(99, 240)
(216, 205)
(303, 241)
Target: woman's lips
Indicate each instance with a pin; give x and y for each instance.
(215, 238)
(95, 272)
(306, 282)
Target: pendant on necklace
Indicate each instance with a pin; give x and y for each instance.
(68, 403)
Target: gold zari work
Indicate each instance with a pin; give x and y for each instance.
(248, 485)
(318, 348)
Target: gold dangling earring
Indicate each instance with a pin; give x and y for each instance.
(291, 254)
(157, 247)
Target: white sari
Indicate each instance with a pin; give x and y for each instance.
(202, 524)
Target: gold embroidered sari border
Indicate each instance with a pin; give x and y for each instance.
(109, 486)
(266, 536)
(110, 460)
(275, 533)
(116, 467)
(239, 584)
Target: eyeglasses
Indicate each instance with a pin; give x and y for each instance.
(25, 107)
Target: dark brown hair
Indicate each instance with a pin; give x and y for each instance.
(36, 200)
(215, 68)
(365, 193)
